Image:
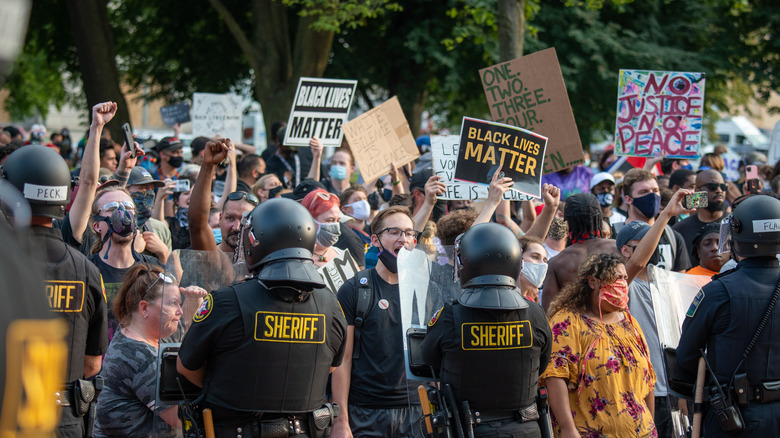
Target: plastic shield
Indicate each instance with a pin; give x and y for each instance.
(189, 276)
(672, 294)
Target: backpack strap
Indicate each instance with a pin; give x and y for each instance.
(672, 241)
(365, 293)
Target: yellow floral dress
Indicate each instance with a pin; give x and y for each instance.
(607, 390)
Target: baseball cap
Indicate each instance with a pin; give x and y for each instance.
(601, 177)
(631, 231)
(303, 189)
(419, 179)
(139, 176)
(169, 144)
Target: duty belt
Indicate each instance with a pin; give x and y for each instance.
(528, 413)
(63, 397)
(277, 428)
(766, 392)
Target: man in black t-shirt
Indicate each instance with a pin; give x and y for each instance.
(712, 182)
(371, 388)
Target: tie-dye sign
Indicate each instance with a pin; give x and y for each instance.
(659, 113)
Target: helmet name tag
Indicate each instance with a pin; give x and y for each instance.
(496, 335)
(766, 225)
(45, 193)
(290, 327)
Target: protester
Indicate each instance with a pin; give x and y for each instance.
(148, 306)
(705, 251)
(641, 193)
(603, 186)
(534, 267)
(600, 379)
(264, 185)
(342, 166)
(324, 208)
(357, 210)
(250, 168)
(584, 219)
(712, 182)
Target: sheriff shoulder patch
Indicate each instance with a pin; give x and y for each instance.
(435, 317)
(205, 309)
(695, 304)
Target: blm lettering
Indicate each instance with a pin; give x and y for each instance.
(290, 327)
(496, 335)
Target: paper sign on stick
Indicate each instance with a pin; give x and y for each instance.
(529, 92)
(216, 114)
(484, 146)
(320, 108)
(444, 151)
(338, 270)
(173, 114)
(659, 113)
(381, 137)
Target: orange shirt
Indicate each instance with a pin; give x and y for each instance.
(701, 270)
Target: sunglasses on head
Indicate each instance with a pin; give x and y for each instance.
(167, 279)
(250, 198)
(714, 186)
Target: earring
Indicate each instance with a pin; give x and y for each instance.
(146, 315)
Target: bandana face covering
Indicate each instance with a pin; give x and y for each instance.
(615, 294)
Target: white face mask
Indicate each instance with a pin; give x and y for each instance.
(360, 210)
(534, 273)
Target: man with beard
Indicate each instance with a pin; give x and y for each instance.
(233, 211)
(114, 224)
(712, 181)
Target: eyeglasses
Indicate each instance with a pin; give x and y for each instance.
(250, 198)
(167, 279)
(714, 186)
(111, 206)
(396, 233)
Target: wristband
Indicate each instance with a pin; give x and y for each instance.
(395, 183)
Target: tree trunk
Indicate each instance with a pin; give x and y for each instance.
(511, 29)
(414, 110)
(97, 59)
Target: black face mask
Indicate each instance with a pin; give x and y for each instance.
(389, 259)
(176, 161)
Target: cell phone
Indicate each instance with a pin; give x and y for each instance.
(182, 185)
(751, 177)
(128, 132)
(695, 200)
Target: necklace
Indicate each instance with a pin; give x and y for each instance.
(322, 256)
(142, 336)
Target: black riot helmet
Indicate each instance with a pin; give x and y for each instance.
(488, 259)
(279, 238)
(42, 176)
(755, 227)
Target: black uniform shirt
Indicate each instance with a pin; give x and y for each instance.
(74, 290)
(709, 315)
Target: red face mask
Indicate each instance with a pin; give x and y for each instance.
(615, 293)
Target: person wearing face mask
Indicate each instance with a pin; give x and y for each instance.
(600, 378)
(141, 186)
(370, 386)
(357, 210)
(171, 158)
(638, 242)
(641, 193)
(342, 166)
(603, 186)
(534, 267)
(115, 229)
(324, 208)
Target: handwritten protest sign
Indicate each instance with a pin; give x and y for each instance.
(338, 270)
(529, 92)
(320, 108)
(444, 151)
(216, 114)
(659, 113)
(486, 145)
(173, 114)
(379, 138)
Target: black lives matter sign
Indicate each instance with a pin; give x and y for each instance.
(484, 146)
(320, 108)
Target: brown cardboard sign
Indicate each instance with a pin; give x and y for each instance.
(380, 137)
(529, 92)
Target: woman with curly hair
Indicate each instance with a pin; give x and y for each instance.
(600, 378)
